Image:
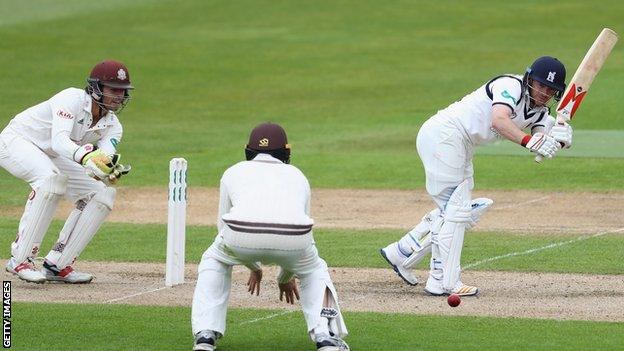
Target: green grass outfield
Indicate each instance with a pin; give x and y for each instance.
(359, 248)
(119, 327)
(350, 80)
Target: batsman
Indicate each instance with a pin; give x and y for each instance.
(65, 147)
(513, 107)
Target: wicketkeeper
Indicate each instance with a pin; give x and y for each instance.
(65, 147)
(264, 217)
(504, 107)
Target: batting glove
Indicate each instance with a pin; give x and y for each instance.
(563, 134)
(541, 144)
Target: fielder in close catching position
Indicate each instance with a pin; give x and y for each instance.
(65, 147)
(264, 210)
(502, 108)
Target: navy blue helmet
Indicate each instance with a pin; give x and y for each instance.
(548, 71)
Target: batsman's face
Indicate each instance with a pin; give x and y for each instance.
(113, 98)
(541, 94)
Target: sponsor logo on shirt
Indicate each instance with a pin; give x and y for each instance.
(506, 95)
(64, 114)
(114, 142)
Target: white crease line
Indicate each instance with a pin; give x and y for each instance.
(137, 294)
(521, 203)
(549, 246)
(267, 317)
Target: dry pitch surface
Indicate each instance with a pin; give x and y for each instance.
(534, 295)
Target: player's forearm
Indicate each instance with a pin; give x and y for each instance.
(506, 128)
(63, 145)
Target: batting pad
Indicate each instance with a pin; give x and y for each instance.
(319, 301)
(451, 237)
(423, 230)
(37, 216)
(92, 217)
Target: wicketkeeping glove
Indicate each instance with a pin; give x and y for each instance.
(97, 164)
(119, 170)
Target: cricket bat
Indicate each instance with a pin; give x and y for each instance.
(584, 76)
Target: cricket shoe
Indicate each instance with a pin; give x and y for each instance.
(25, 271)
(324, 342)
(205, 340)
(66, 275)
(392, 255)
(434, 287)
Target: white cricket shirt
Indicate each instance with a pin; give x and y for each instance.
(473, 114)
(255, 194)
(60, 125)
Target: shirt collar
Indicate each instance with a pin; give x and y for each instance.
(266, 158)
(88, 102)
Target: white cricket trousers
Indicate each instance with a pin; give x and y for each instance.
(446, 156)
(26, 161)
(214, 281)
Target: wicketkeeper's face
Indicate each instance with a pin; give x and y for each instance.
(113, 98)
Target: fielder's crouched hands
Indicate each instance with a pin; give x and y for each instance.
(253, 284)
(563, 134)
(290, 290)
(542, 144)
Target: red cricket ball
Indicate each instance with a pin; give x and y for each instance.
(453, 300)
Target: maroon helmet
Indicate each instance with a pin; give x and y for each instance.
(109, 73)
(268, 138)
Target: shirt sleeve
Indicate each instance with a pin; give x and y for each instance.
(65, 107)
(111, 138)
(506, 91)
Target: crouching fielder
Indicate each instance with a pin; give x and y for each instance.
(64, 147)
(502, 108)
(264, 211)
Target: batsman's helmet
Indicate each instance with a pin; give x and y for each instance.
(110, 73)
(548, 71)
(268, 138)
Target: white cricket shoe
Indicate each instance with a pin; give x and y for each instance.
(205, 340)
(25, 271)
(325, 342)
(434, 287)
(392, 255)
(65, 275)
